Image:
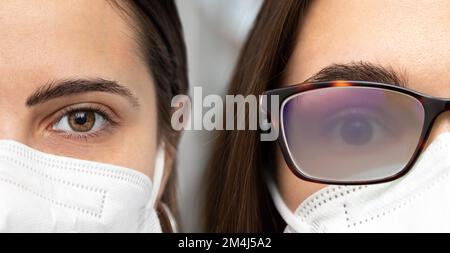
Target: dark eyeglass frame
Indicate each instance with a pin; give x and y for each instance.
(432, 106)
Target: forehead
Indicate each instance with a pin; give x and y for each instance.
(46, 39)
(410, 36)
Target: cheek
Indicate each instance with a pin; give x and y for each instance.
(137, 155)
(144, 143)
(139, 143)
(293, 189)
(133, 148)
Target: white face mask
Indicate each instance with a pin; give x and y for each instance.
(46, 193)
(417, 202)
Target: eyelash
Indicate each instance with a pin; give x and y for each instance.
(109, 126)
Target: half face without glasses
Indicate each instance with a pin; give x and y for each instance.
(78, 79)
(73, 83)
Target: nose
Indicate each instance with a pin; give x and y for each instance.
(13, 124)
(441, 125)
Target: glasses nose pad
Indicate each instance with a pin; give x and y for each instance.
(440, 125)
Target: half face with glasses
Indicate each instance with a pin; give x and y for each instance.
(353, 132)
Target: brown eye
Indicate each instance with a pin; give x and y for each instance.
(82, 121)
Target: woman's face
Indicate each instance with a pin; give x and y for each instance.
(410, 37)
(72, 82)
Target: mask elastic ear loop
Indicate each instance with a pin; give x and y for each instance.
(158, 174)
(284, 211)
(172, 222)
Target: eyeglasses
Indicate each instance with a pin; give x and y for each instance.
(353, 132)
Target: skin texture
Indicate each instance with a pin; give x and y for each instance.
(45, 41)
(412, 37)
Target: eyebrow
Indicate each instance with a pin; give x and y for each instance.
(62, 88)
(360, 71)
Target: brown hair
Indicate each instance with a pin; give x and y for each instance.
(237, 199)
(160, 38)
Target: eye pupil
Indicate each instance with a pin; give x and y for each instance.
(82, 121)
(357, 131)
(80, 118)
